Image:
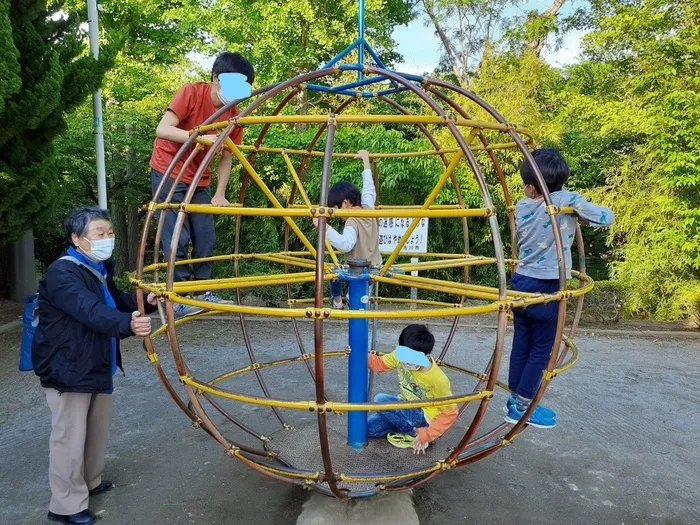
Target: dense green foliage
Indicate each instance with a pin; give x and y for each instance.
(625, 116)
(632, 118)
(46, 72)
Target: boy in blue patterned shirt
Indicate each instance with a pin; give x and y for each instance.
(538, 272)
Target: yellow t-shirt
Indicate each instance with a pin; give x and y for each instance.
(422, 385)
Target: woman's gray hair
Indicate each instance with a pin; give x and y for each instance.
(79, 220)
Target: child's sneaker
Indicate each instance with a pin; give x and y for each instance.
(511, 402)
(211, 298)
(337, 305)
(539, 417)
(400, 440)
(185, 310)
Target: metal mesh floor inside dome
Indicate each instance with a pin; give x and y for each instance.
(299, 448)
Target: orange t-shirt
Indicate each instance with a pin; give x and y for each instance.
(192, 104)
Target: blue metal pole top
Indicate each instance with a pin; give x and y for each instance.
(361, 46)
(361, 15)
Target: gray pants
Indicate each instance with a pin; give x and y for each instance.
(79, 433)
(198, 228)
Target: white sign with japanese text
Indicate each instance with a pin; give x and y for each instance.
(391, 230)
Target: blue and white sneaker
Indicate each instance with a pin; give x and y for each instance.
(538, 419)
(211, 298)
(185, 310)
(511, 402)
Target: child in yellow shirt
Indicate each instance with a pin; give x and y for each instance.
(420, 378)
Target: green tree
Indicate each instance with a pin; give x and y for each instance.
(284, 39)
(46, 73)
(632, 113)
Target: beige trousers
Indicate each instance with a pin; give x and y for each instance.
(79, 433)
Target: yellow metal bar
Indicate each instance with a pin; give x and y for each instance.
(236, 280)
(305, 198)
(290, 262)
(464, 286)
(324, 313)
(409, 207)
(572, 360)
(307, 153)
(452, 263)
(422, 255)
(516, 299)
(318, 211)
(162, 328)
(332, 406)
(395, 155)
(444, 288)
(431, 197)
(390, 477)
(255, 465)
(271, 197)
(295, 176)
(232, 284)
(402, 300)
(219, 258)
(413, 213)
(196, 286)
(308, 300)
(397, 300)
(379, 119)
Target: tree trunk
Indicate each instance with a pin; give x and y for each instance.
(117, 212)
(133, 233)
(537, 42)
(302, 100)
(132, 210)
(452, 58)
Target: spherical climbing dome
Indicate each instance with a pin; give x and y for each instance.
(318, 441)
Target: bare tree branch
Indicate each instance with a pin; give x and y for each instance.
(537, 42)
(446, 44)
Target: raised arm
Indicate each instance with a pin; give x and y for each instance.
(369, 192)
(592, 214)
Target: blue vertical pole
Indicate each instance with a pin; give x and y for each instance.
(358, 331)
(361, 46)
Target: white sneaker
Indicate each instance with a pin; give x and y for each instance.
(337, 305)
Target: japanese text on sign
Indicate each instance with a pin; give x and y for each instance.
(391, 230)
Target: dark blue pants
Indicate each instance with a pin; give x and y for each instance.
(535, 328)
(381, 422)
(198, 229)
(336, 288)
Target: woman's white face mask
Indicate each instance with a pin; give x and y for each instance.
(101, 249)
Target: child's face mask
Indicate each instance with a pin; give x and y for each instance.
(233, 86)
(409, 366)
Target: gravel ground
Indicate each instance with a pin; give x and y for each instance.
(624, 450)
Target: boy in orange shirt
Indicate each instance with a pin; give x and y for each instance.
(231, 78)
(420, 379)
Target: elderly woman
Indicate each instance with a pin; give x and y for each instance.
(82, 317)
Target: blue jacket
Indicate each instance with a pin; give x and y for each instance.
(71, 351)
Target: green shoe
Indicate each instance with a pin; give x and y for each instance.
(400, 440)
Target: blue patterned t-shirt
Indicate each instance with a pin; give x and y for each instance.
(537, 253)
